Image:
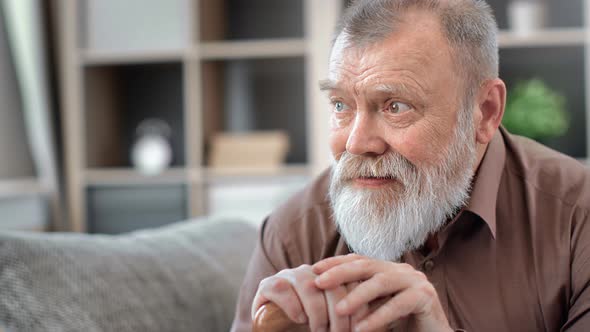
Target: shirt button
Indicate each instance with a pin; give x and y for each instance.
(428, 265)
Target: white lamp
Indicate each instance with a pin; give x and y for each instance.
(151, 154)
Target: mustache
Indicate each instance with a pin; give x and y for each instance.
(389, 165)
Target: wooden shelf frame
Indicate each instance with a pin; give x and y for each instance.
(206, 45)
(18, 187)
(551, 37)
(101, 58)
(227, 50)
(130, 176)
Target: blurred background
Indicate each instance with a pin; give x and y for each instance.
(118, 115)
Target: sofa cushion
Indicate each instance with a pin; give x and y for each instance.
(183, 277)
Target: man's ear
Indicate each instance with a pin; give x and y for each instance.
(491, 101)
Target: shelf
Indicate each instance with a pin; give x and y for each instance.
(129, 176)
(232, 174)
(250, 19)
(21, 187)
(249, 95)
(134, 24)
(124, 208)
(224, 50)
(562, 69)
(252, 198)
(561, 14)
(25, 213)
(220, 50)
(543, 38)
(97, 58)
(204, 67)
(118, 98)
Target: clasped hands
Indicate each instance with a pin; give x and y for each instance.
(355, 293)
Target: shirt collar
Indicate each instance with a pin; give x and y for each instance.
(487, 182)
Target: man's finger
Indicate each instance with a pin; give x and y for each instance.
(280, 292)
(344, 273)
(360, 270)
(398, 307)
(370, 290)
(328, 263)
(361, 312)
(314, 303)
(338, 323)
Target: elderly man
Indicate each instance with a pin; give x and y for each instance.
(454, 223)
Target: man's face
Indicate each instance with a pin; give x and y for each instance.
(403, 141)
(400, 94)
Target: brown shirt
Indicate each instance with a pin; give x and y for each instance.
(517, 258)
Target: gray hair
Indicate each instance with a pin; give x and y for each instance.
(468, 25)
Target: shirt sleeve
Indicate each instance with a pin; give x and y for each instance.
(579, 306)
(269, 257)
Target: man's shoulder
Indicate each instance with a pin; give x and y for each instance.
(548, 171)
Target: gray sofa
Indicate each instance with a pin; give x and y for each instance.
(183, 277)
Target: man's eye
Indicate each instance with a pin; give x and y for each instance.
(398, 107)
(339, 106)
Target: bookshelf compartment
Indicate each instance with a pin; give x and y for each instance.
(256, 95)
(251, 199)
(118, 98)
(563, 70)
(250, 19)
(560, 14)
(113, 210)
(133, 25)
(24, 213)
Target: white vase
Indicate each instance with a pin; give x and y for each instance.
(526, 16)
(151, 154)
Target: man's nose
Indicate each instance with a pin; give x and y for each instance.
(365, 137)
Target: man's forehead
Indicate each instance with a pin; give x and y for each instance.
(377, 72)
(390, 56)
(402, 57)
(417, 40)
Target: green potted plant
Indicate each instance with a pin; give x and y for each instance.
(535, 111)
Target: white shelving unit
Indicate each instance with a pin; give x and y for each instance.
(217, 41)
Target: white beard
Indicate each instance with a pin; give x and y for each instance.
(386, 223)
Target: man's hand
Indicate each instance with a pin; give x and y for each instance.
(295, 292)
(407, 293)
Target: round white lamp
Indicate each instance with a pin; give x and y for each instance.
(151, 154)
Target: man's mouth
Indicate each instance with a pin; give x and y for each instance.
(373, 182)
